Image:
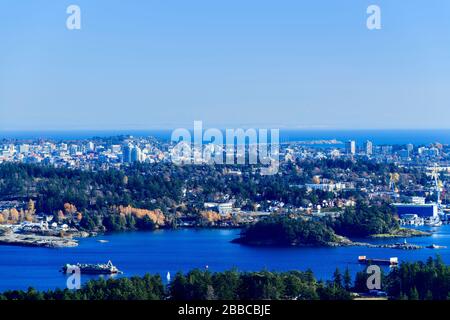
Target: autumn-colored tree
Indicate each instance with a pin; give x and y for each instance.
(69, 208)
(210, 216)
(5, 215)
(61, 215)
(156, 216)
(31, 207)
(14, 215)
(21, 215)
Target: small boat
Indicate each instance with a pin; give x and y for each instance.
(89, 268)
(103, 241)
(435, 246)
(433, 222)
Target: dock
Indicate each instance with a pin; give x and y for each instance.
(371, 261)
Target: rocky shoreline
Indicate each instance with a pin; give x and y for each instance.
(398, 246)
(14, 239)
(342, 241)
(403, 233)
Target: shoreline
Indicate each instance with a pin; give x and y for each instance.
(397, 246)
(27, 240)
(402, 233)
(51, 241)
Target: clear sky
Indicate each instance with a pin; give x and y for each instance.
(280, 63)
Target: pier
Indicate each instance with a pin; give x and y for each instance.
(369, 261)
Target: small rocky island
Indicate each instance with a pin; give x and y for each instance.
(283, 231)
(286, 231)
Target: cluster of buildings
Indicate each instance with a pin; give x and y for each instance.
(40, 227)
(400, 152)
(330, 186)
(403, 154)
(43, 224)
(82, 154)
(114, 152)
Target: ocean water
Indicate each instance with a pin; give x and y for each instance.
(137, 253)
(379, 137)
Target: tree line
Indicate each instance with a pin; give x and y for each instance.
(176, 191)
(429, 280)
(361, 221)
(198, 285)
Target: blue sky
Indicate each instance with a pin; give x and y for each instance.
(159, 64)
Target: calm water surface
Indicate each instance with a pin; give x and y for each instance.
(137, 253)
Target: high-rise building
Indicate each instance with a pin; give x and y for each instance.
(136, 154)
(410, 147)
(368, 147)
(421, 150)
(127, 149)
(404, 154)
(350, 147)
(90, 146)
(24, 148)
(73, 149)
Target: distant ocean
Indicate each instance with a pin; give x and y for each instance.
(379, 137)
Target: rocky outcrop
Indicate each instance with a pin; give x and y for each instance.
(14, 239)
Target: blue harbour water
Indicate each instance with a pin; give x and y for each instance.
(137, 253)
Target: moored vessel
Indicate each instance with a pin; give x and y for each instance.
(91, 268)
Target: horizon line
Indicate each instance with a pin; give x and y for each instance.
(223, 128)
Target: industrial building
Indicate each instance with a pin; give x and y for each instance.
(421, 210)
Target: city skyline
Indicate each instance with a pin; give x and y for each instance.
(221, 156)
(257, 64)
